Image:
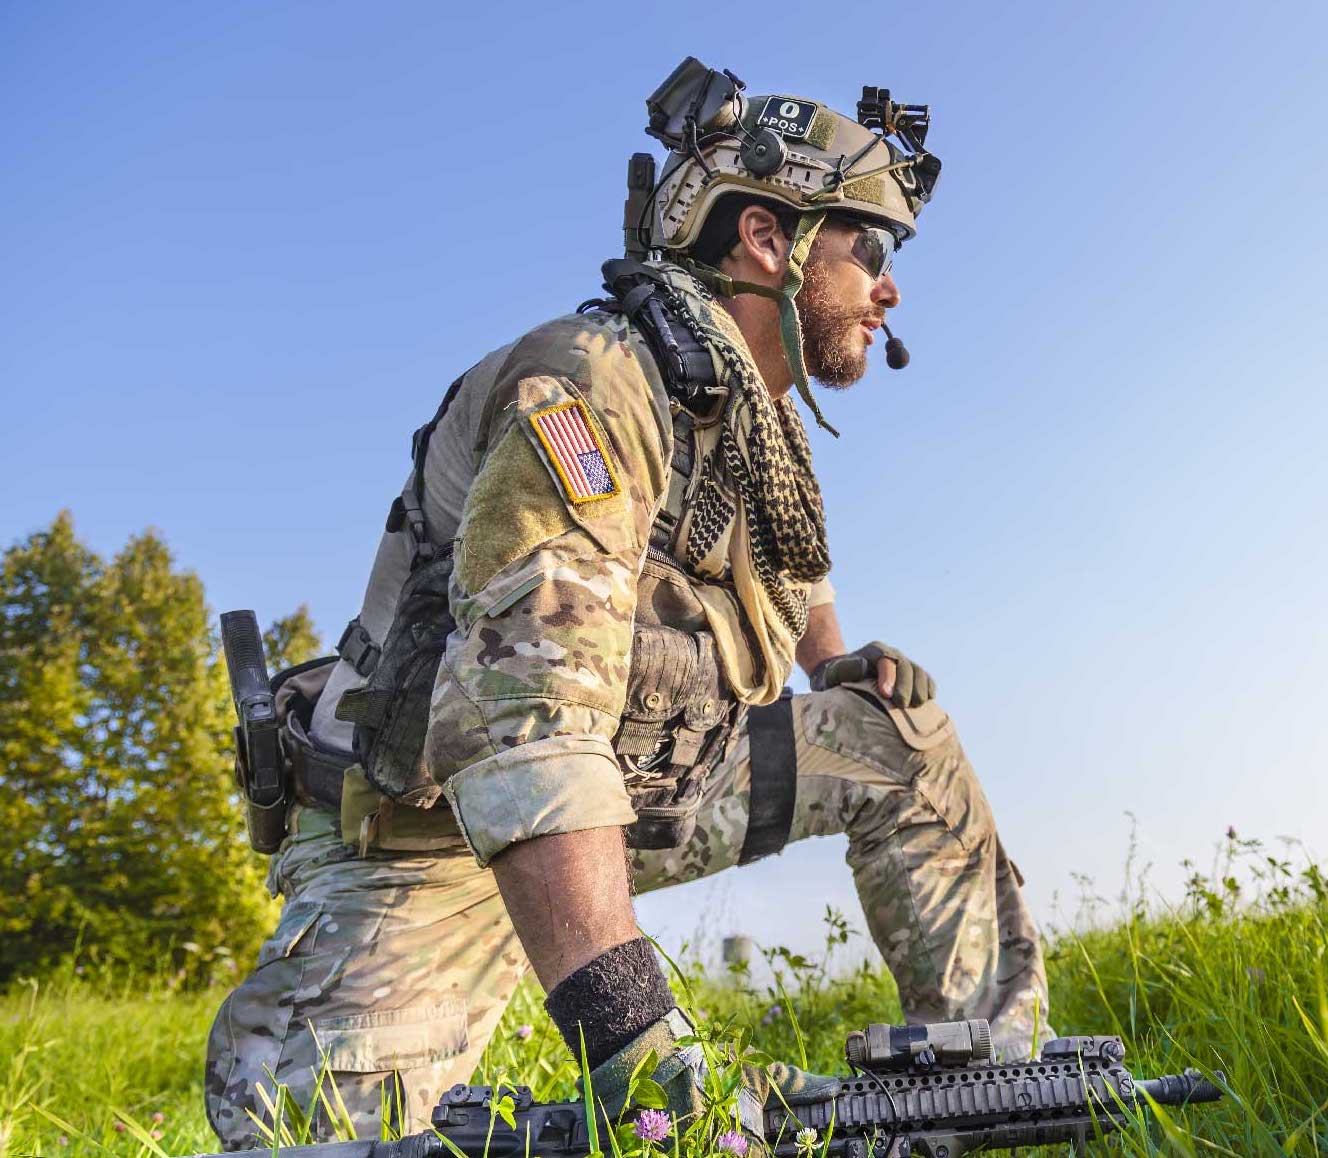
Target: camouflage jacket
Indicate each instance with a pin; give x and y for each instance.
(551, 466)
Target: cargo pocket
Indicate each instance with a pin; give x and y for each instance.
(297, 918)
(924, 727)
(382, 1041)
(944, 778)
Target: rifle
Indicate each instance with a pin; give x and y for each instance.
(920, 1091)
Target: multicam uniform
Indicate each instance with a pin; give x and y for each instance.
(394, 951)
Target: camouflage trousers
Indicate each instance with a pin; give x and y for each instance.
(390, 971)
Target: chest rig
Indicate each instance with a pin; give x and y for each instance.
(680, 710)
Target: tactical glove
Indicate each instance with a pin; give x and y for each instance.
(682, 1074)
(913, 686)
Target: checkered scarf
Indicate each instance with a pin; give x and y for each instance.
(765, 458)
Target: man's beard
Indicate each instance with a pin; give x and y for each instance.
(834, 354)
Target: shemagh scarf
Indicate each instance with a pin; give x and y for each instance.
(757, 505)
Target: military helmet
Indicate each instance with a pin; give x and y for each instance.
(787, 149)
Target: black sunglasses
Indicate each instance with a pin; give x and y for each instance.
(874, 249)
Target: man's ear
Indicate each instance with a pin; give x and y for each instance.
(760, 240)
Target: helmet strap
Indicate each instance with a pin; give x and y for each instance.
(790, 325)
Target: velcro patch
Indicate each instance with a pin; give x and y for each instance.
(576, 451)
(788, 116)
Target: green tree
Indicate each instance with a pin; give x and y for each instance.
(121, 834)
(292, 639)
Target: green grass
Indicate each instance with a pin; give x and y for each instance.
(1234, 979)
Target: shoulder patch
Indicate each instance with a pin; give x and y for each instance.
(577, 451)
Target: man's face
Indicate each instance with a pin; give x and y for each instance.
(840, 306)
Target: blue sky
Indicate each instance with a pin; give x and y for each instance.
(247, 246)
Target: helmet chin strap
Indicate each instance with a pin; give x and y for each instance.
(790, 325)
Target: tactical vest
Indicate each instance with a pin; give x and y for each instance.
(679, 709)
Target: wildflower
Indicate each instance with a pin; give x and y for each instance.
(770, 1014)
(523, 1032)
(63, 1139)
(120, 1127)
(1255, 974)
(731, 1142)
(159, 1117)
(652, 1125)
(805, 1138)
(155, 1135)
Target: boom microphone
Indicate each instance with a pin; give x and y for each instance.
(896, 354)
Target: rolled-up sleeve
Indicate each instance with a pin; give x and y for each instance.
(558, 784)
(533, 681)
(820, 593)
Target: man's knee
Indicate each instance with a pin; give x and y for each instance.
(910, 757)
(383, 974)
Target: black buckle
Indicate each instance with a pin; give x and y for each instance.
(358, 649)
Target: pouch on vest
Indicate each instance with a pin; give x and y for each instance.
(678, 714)
(316, 772)
(391, 711)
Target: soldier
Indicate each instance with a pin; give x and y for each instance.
(608, 556)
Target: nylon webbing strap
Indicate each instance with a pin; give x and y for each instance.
(408, 507)
(774, 759)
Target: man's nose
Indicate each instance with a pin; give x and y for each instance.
(885, 292)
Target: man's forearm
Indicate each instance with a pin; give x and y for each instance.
(822, 640)
(569, 898)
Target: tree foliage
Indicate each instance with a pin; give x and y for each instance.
(121, 834)
(291, 639)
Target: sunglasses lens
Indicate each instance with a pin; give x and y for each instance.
(874, 250)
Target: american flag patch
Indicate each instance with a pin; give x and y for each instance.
(576, 451)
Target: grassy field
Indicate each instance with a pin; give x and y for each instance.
(1233, 980)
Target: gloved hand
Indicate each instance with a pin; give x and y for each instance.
(913, 686)
(688, 1085)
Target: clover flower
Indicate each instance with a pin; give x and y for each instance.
(653, 1125)
(805, 1138)
(523, 1032)
(731, 1142)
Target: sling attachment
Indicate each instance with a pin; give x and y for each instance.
(774, 760)
(357, 648)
